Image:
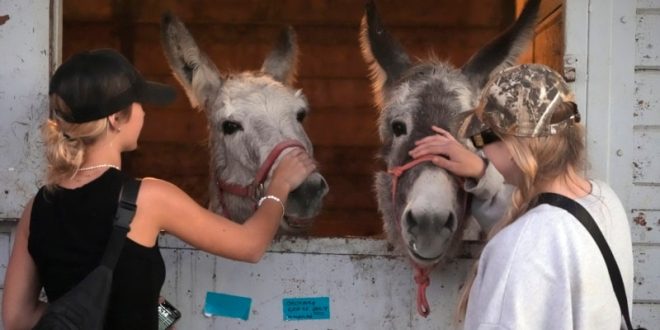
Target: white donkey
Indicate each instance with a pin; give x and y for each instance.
(253, 119)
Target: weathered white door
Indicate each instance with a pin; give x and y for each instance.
(614, 47)
(29, 51)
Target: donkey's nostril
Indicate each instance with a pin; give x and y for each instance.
(451, 222)
(411, 221)
(323, 185)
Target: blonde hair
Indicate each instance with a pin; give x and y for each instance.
(65, 143)
(541, 160)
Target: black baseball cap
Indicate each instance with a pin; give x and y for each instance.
(98, 83)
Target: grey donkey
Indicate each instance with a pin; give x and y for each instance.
(254, 118)
(424, 208)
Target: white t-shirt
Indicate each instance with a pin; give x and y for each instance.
(545, 271)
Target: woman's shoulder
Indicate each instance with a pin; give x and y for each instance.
(543, 228)
(542, 219)
(159, 193)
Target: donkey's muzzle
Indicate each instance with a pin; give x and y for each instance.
(306, 200)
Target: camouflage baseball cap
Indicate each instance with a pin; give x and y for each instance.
(523, 101)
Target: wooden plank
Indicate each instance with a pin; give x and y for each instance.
(78, 37)
(549, 41)
(648, 4)
(347, 223)
(339, 94)
(351, 128)
(546, 8)
(174, 125)
(645, 226)
(348, 160)
(644, 197)
(647, 40)
(646, 155)
(647, 98)
(244, 48)
(331, 12)
(645, 315)
(87, 11)
(343, 94)
(350, 192)
(398, 13)
(647, 277)
(5, 251)
(191, 159)
(224, 11)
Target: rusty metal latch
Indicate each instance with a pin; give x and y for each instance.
(569, 68)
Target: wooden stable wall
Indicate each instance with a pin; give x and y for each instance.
(238, 34)
(548, 42)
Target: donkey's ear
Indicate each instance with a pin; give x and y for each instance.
(503, 51)
(282, 61)
(191, 67)
(386, 58)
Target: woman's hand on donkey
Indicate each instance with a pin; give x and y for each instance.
(449, 154)
(293, 169)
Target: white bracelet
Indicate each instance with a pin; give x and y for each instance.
(262, 199)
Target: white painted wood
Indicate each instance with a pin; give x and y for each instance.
(25, 57)
(649, 314)
(647, 99)
(576, 36)
(647, 274)
(646, 155)
(645, 227)
(5, 240)
(610, 87)
(647, 38)
(369, 287)
(645, 197)
(648, 4)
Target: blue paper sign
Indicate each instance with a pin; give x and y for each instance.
(220, 304)
(314, 308)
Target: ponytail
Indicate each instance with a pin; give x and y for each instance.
(65, 142)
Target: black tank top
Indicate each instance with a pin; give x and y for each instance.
(69, 230)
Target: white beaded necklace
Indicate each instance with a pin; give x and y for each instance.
(89, 168)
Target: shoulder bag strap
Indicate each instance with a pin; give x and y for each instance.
(585, 218)
(125, 211)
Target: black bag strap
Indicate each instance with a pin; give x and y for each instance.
(585, 218)
(125, 211)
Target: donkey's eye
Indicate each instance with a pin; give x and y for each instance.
(229, 127)
(399, 128)
(300, 116)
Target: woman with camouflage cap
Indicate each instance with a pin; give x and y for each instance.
(540, 268)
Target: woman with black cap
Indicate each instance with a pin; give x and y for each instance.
(541, 268)
(96, 114)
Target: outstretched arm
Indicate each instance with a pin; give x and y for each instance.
(174, 211)
(21, 308)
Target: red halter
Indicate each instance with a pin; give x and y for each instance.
(254, 189)
(421, 276)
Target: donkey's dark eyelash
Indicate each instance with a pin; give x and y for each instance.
(230, 127)
(301, 114)
(399, 128)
